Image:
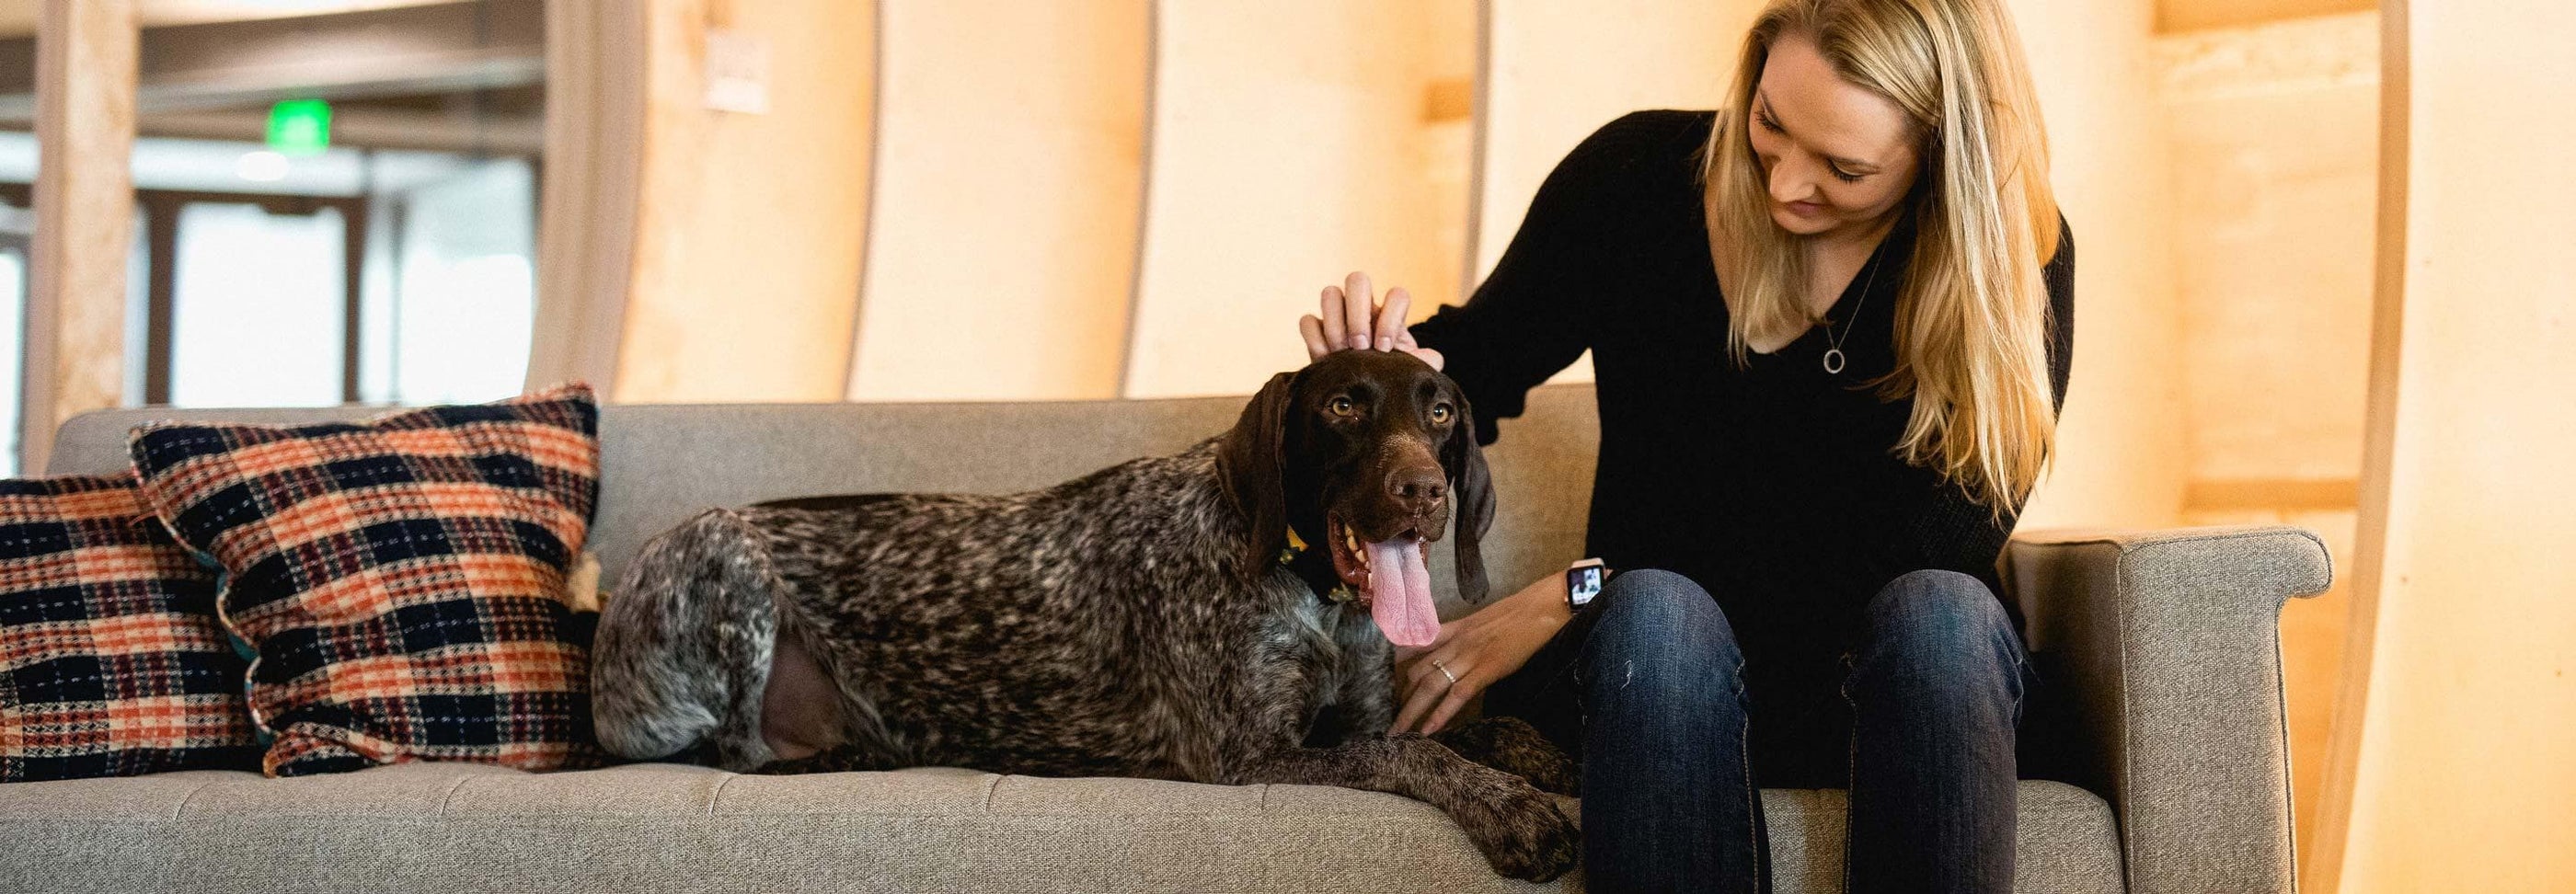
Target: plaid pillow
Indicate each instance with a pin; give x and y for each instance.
(402, 580)
(111, 661)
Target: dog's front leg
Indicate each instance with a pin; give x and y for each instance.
(1517, 827)
(1513, 746)
(1364, 708)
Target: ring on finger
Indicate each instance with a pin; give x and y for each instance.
(1444, 671)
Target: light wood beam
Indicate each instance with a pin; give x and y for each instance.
(75, 341)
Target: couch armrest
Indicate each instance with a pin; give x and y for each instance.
(2162, 649)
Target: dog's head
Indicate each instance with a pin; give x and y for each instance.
(1366, 455)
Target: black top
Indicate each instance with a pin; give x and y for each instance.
(1773, 485)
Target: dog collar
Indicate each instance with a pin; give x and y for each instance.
(1341, 592)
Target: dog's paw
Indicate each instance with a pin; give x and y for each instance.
(1521, 832)
(1513, 746)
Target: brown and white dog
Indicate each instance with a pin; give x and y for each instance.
(1151, 619)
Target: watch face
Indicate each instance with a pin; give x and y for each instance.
(1582, 584)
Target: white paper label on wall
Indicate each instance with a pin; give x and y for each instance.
(737, 72)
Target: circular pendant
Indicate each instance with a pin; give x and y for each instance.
(1833, 360)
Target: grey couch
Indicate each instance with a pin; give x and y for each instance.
(2160, 646)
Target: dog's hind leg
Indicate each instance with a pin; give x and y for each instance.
(684, 648)
(800, 714)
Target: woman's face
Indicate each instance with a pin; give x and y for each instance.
(1838, 156)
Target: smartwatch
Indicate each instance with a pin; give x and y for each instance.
(1583, 582)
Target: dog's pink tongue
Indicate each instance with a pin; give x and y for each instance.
(1400, 594)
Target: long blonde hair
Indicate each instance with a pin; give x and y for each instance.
(1971, 316)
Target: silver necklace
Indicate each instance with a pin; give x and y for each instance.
(1834, 346)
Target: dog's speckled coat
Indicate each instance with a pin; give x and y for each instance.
(1114, 625)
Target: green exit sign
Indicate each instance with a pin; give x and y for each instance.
(299, 127)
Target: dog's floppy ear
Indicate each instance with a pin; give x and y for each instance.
(1471, 506)
(1249, 459)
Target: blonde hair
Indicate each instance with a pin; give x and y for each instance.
(1971, 315)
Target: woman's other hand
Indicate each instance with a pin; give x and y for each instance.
(1351, 317)
(1477, 649)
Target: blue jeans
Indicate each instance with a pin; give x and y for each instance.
(1649, 686)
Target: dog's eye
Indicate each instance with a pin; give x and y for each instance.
(1440, 414)
(1342, 406)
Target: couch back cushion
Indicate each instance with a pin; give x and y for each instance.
(661, 464)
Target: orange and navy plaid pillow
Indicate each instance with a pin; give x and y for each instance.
(402, 580)
(111, 661)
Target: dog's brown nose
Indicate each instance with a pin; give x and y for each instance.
(1418, 489)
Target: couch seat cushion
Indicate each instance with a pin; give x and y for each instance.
(651, 827)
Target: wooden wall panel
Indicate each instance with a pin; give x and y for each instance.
(1288, 148)
(2459, 773)
(1010, 163)
(2274, 135)
(750, 227)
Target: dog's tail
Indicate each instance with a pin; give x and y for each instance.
(684, 646)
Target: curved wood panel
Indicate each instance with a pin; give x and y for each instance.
(1291, 144)
(1010, 160)
(586, 214)
(2456, 751)
(749, 226)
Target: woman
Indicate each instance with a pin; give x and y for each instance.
(1831, 333)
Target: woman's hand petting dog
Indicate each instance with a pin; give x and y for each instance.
(1351, 318)
(1477, 649)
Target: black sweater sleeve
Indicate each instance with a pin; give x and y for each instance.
(1533, 315)
(1953, 531)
